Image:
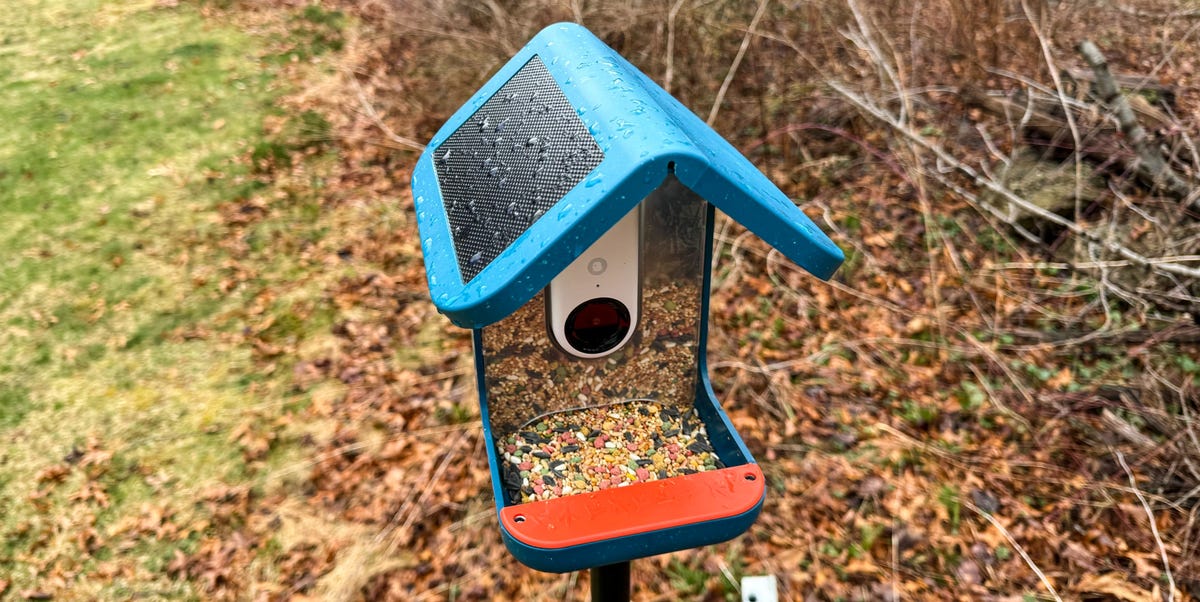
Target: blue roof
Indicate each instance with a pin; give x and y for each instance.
(640, 133)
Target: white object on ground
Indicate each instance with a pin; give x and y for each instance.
(759, 588)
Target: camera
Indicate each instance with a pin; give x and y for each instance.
(593, 305)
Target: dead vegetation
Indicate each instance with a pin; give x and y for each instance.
(994, 398)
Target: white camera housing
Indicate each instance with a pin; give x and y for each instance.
(607, 272)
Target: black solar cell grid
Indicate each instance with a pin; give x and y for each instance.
(510, 163)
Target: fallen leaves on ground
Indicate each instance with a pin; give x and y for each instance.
(910, 450)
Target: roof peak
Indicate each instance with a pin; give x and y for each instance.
(550, 153)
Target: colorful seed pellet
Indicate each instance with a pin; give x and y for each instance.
(597, 448)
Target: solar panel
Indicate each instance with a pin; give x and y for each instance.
(509, 163)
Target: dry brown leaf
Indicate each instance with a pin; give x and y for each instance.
(916, 325)
(1114, 585)
(52, 474)
(1147, 565)
(881, 240)
(861, 566)
(760, 285)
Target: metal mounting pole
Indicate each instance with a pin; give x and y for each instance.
(610, 583)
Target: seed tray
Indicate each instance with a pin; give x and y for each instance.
(597, 448)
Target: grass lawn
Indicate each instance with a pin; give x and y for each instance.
(127, 123)
(221, 376)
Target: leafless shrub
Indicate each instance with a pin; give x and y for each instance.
(887, 103)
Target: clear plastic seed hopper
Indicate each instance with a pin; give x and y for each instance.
(566, 216)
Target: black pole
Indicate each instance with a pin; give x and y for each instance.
(610, 583)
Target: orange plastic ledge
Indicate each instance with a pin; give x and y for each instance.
(675, 502)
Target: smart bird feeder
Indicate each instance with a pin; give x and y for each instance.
(566, 216)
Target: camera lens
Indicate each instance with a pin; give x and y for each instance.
(597, 325)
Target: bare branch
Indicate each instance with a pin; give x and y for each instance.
(1162, 549)
(1152, 167)
(865, 40)
(373, 115)
(1001, 190)
(1126, 431)
(1016, 546)
(670, 73)
(1179, 14)
(737, 61)
(1048, 56)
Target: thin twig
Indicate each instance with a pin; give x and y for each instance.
(1016, 546)
(409, 507)
(1162, 549)
(670, 73)
(1179, 14)
(1061, 94)
(994, 397)
(866, 41)
(1189, 423)
(1052, 265)
(946, 158)
(1003, 366)
(723, 220)
(737, 61)
(799, 127)
(437, 431)
(1151, 166)
(373, 115)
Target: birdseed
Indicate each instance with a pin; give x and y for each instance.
(596, 448)
(526, 375)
